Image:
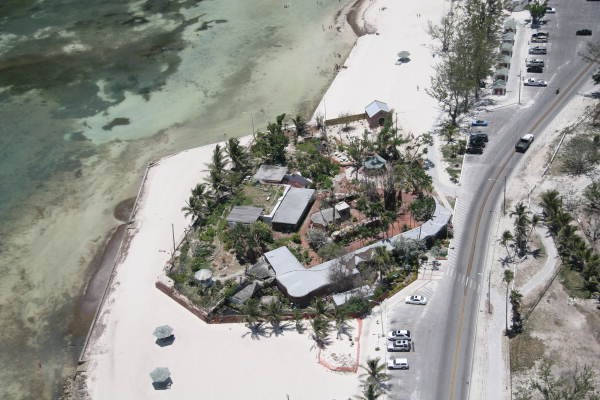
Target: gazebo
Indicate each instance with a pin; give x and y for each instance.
(501, 74)
(164, 335)
(506, 49)
(374, 164)
(377, 112)
(204, 276)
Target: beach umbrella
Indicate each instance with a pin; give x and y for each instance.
(160, 374)
(403, 54)
(163, 332)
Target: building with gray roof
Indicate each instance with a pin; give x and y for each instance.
(377, 111)
(270, 173)
(292, 209)
(299, 283)
(244, 215)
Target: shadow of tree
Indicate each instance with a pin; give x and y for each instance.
(257, 331)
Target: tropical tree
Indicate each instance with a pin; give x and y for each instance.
(217, 174)
(341, 322)
(521, 225)
(370, 392)
(199, 204)
(517, 320)
(320, 327)
(375, 374)
(357, 151)
(252, 314)
(300, 125)
(591, 196)
(407, 252)
(551, 203)
(505, 240)
(273, 312)
(319, 308)
(238, 156)
(537, 10)
(299, 320)
(382, 260)
(508, 278)
(270, 146)
(249, 241)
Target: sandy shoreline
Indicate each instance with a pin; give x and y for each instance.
(122, 352)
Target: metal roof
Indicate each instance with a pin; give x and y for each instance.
(270, 173)
(375, 107)
(325, 216)
(297, 280)
(293, 205)
(244, 214)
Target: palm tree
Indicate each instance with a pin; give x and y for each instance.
(517, 322)
(375, 374)
(370, 392)
(253, 315)
(237, 156)
(320, 327)
(508, 278)
(521, 224)
(382, 260)
(552, 206)
(506, 238)
(199, 203)
(273, 312)
(319, 308)
(299, 320)
(300, 126)
(217, 178)
(341, 324)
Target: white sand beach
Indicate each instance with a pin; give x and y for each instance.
(370, 72)
(223, 361)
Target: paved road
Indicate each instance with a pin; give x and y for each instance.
(444, 330)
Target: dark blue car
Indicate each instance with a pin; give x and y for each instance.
(479, 122)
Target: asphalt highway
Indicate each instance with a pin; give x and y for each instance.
(444, 332)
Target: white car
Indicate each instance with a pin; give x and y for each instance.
(399, 345)
(416, 299)
(399, 334)
(397, 363)
(535, 82)
(550, 10)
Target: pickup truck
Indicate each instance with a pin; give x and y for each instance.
(524, 143)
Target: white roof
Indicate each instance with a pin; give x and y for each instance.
(375, 107)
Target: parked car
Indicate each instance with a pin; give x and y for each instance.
(399, 345)
(397, 363)
(550, 10)
(535, 69)
(479, 122)
(474, 150)
(584, 32)
(478, 139)
(540, 35)
(532, 62)
(538, 50)
(535, 82)
(402, 334)
(524, 143)
(416, 299)
(539, 40)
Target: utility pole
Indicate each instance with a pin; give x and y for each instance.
(520, 87)
(173, 236)
(504, 198)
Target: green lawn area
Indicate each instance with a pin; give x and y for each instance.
(264, 196)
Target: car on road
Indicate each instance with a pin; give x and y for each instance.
(535, 69)
(540, 35)
(542, 39)
(524, 143)
(399, 345)
(479, 122)
(538, 50)
(416, 299)
(550, 10)
(399, 334)
(584, 32)
(397, 363)
(535, 82)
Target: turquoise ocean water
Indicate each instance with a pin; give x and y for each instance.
(90, 91)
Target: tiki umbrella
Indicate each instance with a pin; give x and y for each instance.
(403, 54)
(160, 375)
(163, 332)
(203, 275)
